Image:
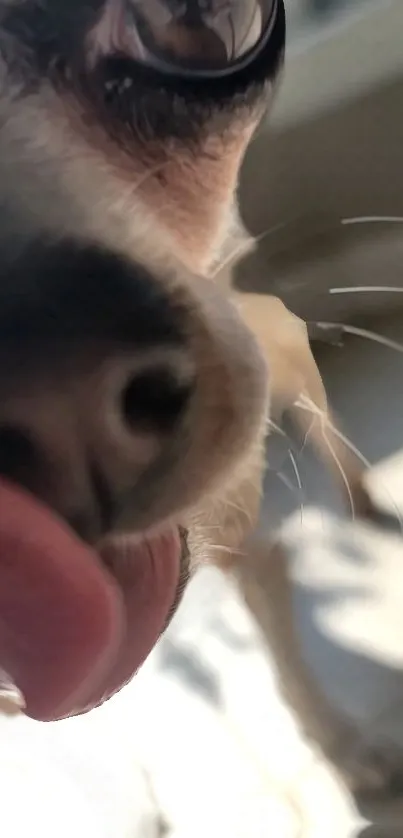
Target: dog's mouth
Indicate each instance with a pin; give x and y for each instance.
(76, 622)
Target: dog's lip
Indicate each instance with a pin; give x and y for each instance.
(72, 633)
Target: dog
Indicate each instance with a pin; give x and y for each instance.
(135, 390)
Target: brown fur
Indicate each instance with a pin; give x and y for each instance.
(168, 205)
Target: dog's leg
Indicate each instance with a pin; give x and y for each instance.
(296, 384)
(365, 767)
(263, 579)
(260, 572)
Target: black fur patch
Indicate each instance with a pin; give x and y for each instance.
(63, 295)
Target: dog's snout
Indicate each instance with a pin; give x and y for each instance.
(96, 374)
(124, 395)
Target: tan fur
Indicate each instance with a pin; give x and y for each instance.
(169, 206)
(197, 212)
(294, 374)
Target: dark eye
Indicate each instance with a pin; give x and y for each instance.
(197, 36)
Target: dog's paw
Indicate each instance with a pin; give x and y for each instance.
(372, 770)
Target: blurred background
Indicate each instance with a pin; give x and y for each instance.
(307, 15)
(330, 155)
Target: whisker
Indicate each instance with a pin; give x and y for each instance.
(276, 428)
(222, 548)
(299, 481)
(295, 468)
(305, 403)
(235, 506)
(363, 333)
(240, 510)
(341, 470)
(244, 247)
(284, 479)
(307, 434)
(372, 219)
(359, 289)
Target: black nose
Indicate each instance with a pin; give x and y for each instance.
(64, 295)
(95, 371)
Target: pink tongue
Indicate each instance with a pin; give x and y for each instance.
(70, 634)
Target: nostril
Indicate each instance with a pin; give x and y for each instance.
(155, 399)
(19, 457)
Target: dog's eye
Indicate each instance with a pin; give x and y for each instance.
(195, 37)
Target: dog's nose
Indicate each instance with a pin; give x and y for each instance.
(127, 393)
(95, 378)
(154, 397)
(84, 442)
